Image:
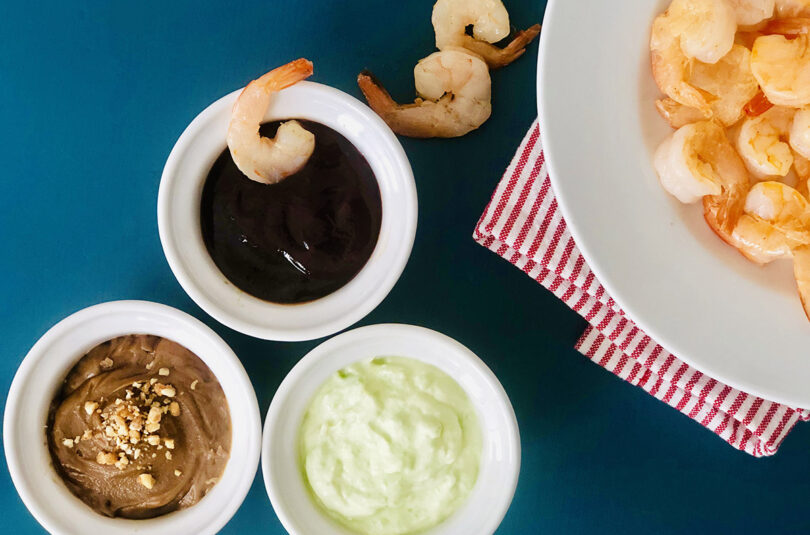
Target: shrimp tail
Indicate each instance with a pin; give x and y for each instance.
(516, 48)
(757, 105)
(523, 38)
(287, 75)
(789, 26)
(500, 57)
(719, 219)
(670, 80)
(676, 114)
(378, 98)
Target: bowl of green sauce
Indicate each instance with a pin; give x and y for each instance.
(391, 430)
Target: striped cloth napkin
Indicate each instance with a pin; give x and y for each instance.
(523, 224)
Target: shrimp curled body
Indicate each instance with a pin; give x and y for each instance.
(763, 143)
(689, 31)
(454, 89)
(751, 12)
(269, 160)
(782, 68)
(490, 24)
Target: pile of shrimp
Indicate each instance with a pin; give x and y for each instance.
(736, 80)
(453, 84)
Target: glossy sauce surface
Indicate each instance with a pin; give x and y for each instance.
(303, 238)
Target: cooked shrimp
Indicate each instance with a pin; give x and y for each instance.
(763, 143)
(801, 271)
(751, 12)
(792, 8)
(728, 83)
(490, 23)
(802, 167)
(676, 114)
(683, 163)
(759, 241)
(262, 159)
(781, 206)
(746, 38)
(790, 26)
(722, 211)
(782, 68)
(699, 161)
(671, 68)
(775, 221)
(800, 132)
(706, 28)
(454, 89)
(689, 30)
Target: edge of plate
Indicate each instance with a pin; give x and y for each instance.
(548, 150)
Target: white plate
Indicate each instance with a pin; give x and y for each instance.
(699, 298)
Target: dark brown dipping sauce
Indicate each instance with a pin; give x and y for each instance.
(300, 239)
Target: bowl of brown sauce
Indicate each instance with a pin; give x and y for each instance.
(305, 257)
(131, 416)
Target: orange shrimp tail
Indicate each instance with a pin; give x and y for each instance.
(758, 105)
(289, 74)
(378, 98)
(530, 33)
(790, 27)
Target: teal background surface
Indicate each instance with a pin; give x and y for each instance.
(93, 96)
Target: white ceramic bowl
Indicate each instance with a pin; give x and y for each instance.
(42, 372)
(500, 459)
(699, 298)
(179, 217)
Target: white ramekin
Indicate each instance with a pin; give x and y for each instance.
(42, 372)
(179, 217)
(500, 459)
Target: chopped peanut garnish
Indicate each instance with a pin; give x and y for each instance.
(154, 415)
(163, 371)
(106, 458)
(133, 420)
(146, 480)
(68, 442)
(164, 390)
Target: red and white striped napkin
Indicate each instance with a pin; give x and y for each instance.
(523, 225)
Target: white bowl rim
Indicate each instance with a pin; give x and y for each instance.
(497, 507)
(25, 373)
(373, 296)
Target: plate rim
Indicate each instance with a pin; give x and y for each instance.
(743, 385)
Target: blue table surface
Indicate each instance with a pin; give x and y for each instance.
(93, 96)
